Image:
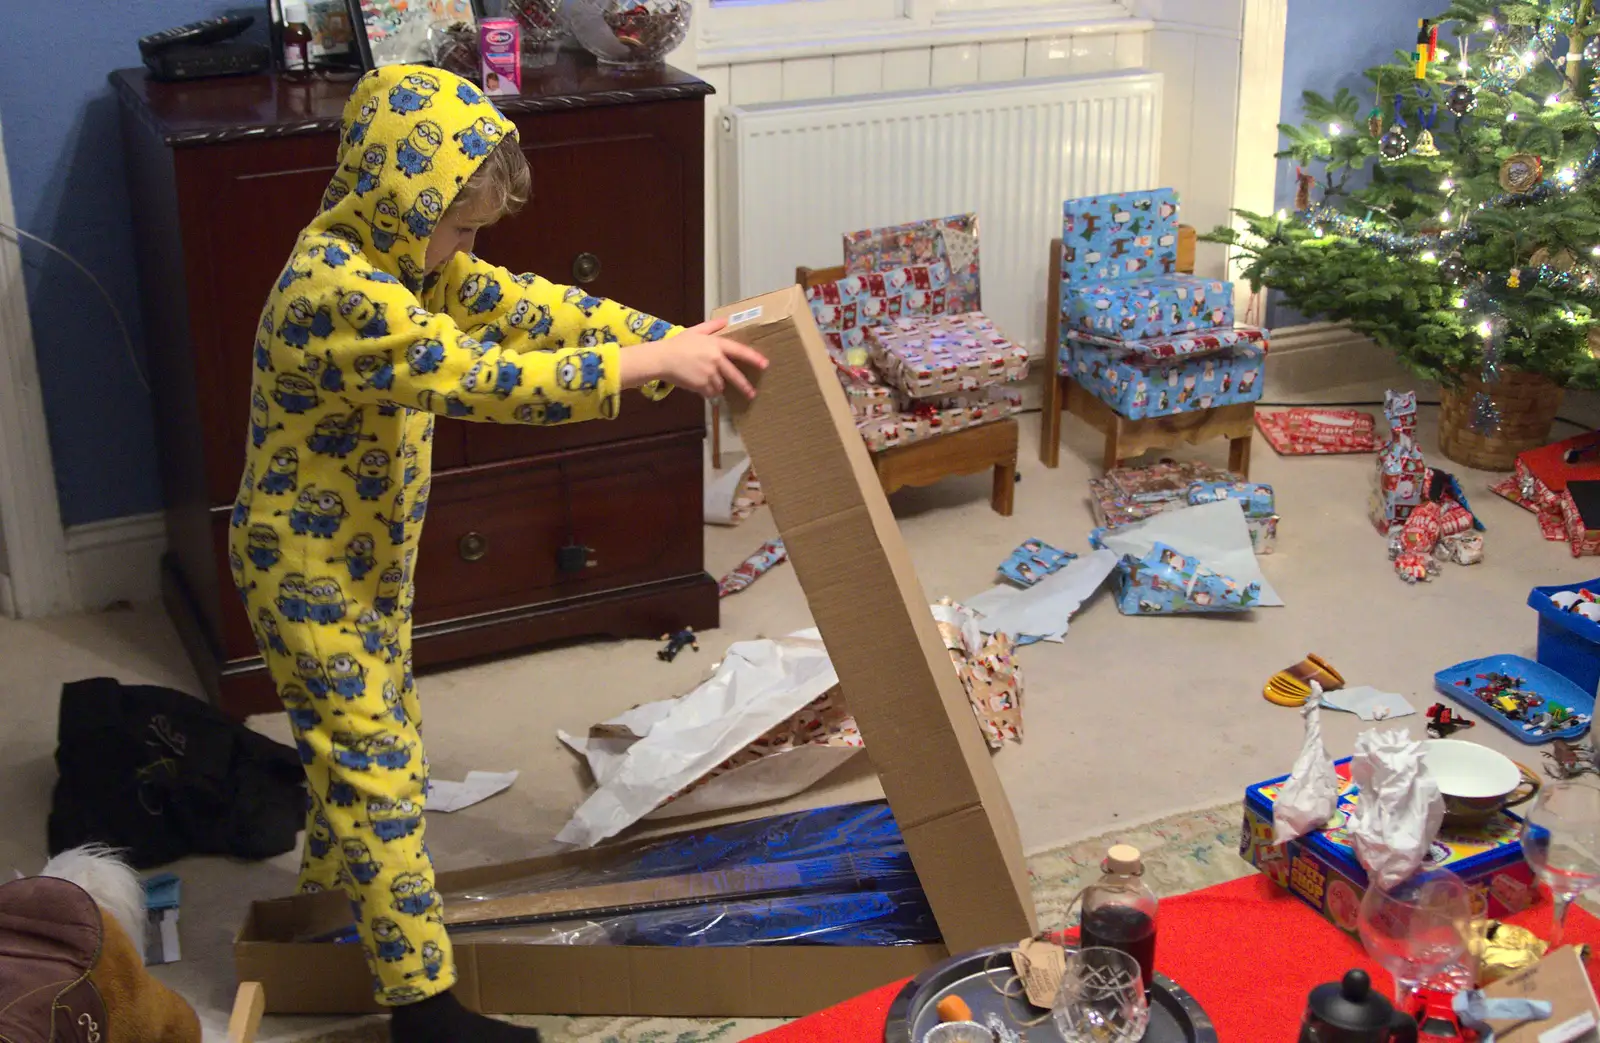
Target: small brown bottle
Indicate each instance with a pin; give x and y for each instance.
(296, 40)
(1119, 911)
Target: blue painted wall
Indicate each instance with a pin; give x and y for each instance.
(1329, 46)
(63, 146)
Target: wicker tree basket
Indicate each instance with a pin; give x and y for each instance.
(1528, 404)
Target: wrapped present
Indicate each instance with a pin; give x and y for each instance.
(1173, 346)
(752, 568)
(1540, 482)
(1580, 511)
(1119, 236)
(1256, 498)
(1400, 480)
(868, 398)
(846, 308)
(1168, 582)
(937, 356)
(1137, 389)
(927, 418)
(953, 240)
(1316, 432)
(1139, 309)
(1033, 561)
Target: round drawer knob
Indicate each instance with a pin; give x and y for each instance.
(474, 545)
(586, 268)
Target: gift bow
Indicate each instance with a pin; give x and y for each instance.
(1474, 1009)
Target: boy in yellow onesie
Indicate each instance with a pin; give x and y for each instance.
(382, 318)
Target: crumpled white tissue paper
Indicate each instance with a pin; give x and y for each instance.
(1310, 796)
(1400, 808)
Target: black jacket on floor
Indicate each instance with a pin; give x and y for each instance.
(162, 775)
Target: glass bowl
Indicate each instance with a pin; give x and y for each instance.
(540, 21)
(629, 33)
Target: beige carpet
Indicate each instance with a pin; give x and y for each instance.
(1129, 720)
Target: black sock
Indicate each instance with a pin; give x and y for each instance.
(442, 1019)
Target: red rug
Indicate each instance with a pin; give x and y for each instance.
(1246, 950)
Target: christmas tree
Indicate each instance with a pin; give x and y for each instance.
(1451, 215)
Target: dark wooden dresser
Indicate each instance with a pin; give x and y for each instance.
(224, 173)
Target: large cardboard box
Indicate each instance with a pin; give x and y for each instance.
(896, 677)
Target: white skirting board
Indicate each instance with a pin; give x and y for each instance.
(116, 560)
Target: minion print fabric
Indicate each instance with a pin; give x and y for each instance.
(358, 350)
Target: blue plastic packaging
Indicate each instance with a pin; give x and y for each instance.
(1568, 643)
(1543, 681)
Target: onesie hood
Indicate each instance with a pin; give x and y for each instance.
(411, 135)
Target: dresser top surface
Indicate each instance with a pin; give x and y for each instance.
(264, 106)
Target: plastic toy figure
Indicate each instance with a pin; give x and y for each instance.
(1443, 721)
(676, 642)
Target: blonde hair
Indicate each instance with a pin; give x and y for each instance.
(500, 186)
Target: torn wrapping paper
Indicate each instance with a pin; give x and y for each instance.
(1256, 498)
(1308, 798)
(1126, 495)
(1168, 582)
(1399, 483)
(953, 240)
(941, 355)
(1317, 432)
(1213, 533)
(752, 568)
(479, 786)
(1033, 561)
(1042, 611)
(987, 672)
(1401, 809)
(1369, 703)
(642, 758)
(726, 498)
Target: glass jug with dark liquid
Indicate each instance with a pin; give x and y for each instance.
(1348, 1011)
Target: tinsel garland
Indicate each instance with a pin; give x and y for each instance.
(1502, 77)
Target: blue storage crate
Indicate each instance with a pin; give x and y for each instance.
(1568, 643)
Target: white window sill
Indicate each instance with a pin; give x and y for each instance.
(897, 35)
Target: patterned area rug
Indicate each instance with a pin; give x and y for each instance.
(1181, 853)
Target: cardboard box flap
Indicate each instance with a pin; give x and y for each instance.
(873, 615)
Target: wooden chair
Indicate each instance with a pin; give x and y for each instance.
(967, 451)
(1129, 438)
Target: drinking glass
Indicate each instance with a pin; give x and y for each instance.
(1561, 841)
(1102, 998)
(1416, 928)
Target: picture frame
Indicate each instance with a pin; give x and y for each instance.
(393, 32)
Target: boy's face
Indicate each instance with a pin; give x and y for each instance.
(456, 233)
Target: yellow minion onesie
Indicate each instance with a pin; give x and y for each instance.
(358, 346)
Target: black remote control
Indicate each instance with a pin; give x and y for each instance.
(211, 30)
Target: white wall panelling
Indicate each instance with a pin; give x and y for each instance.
(807, 78)
(1002, 60)
(1009, 152)
(858, 73)
(907, 70)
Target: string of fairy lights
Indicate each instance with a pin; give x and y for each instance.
(1502, 76)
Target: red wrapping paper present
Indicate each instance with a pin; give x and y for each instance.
(1317, 432)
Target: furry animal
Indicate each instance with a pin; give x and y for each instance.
(71, 963)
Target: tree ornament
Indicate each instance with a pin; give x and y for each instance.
(1427, 49)
(1521, 172)
(1425, 145)
(1303, 183)
(1453, 269)
(1375, 122)
(1591, 50)
(1395, 143)
(1562, 260)
(1461, 99)
(1514, 280)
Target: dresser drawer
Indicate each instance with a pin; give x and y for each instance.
(494, 537)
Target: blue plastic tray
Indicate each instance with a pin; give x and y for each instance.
(1540, 679)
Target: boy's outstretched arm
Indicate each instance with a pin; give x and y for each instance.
(529, 313)
(381, 346)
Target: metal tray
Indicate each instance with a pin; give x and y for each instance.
(1175, 1017)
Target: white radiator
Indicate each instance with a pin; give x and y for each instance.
(796, 176)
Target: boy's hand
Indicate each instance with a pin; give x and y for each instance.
(700, 361)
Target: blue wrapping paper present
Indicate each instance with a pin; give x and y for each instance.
(1137, 389)
(1167, 582)
(1119, 236)
(1256, 498)
(1142, 308)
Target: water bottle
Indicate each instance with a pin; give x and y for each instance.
(1119, 911)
